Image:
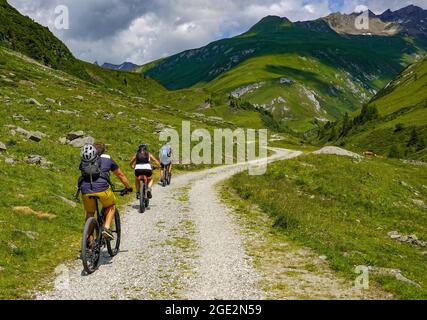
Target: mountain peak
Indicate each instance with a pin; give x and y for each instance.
(412, 18)
(125, 66)
(347, 24)
(270, 23)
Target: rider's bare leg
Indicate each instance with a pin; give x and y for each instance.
(137, 185)
(150, 184)
(109, 215)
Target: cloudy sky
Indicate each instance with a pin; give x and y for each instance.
(144, 30)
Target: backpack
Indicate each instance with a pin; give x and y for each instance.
(91, 171)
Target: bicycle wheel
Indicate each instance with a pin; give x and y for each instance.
(164, 179)
(142, 199)
(169, 178)
(113, 246)
(91, 250)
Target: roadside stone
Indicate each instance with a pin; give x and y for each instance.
(424, 253)
(393, 272)
(50, 100)
(62, 140)
(80, 98)
(2, 146)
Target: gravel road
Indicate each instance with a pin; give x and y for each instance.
(185, 246)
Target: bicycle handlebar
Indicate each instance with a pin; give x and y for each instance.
(123, 192)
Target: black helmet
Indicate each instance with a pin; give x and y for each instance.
(143, 147)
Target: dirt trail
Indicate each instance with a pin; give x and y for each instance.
(186, 246)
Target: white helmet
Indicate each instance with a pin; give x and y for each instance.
(88, 152)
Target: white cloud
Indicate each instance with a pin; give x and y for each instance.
(144, 30)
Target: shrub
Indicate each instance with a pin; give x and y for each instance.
(399, 127)
(396, 151)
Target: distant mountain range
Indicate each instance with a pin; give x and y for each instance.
(306, 71)
(411, 21)
(125, 66)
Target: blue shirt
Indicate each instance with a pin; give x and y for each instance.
(100, 184)
(165, 154)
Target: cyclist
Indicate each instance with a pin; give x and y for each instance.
(99, 185)
(165, 155)
(141, 164)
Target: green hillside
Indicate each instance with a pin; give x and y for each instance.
(323, 74)
(400, 128)
(22, 34)
(38, 102)
(345, 209)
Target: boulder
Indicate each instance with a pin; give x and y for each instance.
(80, 142)
(27, 83)
(34, 159)
(75, 135)
(34, 102)
(37, 160)
(2, 146)
(69, 202)
(9, 161)
(19, 117)
(22, 131)
(108, 116)
(338, 151)
(35, 136)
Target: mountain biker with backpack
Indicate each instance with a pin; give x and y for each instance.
(140, 162)
(95, 167)
(165, 156)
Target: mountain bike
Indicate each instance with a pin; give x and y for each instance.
(167, 176)
(91, 250)
(144, 201)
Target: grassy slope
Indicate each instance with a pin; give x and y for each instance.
(22, 34)
(24, 261)
(144, 103)
(344, 209)
(403, 101)
(344, 71)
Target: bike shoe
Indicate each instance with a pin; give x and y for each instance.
(108, 235)
(149, 195)
(138, 196)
